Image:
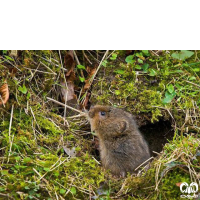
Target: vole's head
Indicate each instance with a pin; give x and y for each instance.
(97, 116)
(109, 121)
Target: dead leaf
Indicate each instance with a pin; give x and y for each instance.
(4, 94)
(67, 91)
(91, 72)
(70, 152)
(69, 60)
(178, 184)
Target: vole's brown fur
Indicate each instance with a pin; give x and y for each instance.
(122, 147)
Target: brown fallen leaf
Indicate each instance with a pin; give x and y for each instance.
(69, 60)
(4, 94)
(67, 91)
(91, 72)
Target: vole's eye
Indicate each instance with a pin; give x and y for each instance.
(102, 113)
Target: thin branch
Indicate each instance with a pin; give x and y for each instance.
(64, 105)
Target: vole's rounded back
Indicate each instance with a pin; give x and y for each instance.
(122, 147)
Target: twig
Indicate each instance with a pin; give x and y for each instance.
(93, 56)
(47, 60)
(41, 177)
(33, 73)
(76, 116)
(98, 67)
(64, 105)
(35, 119)
(51, 169)
(156, 176)
(39, 71)
(86, 57)
(111, 54)
(156, 152)
(193, 83)
(144, 163)
(48, 68)
(77, 60)
(6, 195)
(154, 53)
(9, 132)
(12, 64)
(66, 92)
(56, 195)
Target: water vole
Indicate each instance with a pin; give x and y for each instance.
(122, 147)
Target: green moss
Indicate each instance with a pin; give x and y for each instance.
(48, 127)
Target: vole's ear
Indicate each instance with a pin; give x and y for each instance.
(123, 125)
(91, 114)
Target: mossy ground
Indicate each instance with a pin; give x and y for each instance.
(44, 157)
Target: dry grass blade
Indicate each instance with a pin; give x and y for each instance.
(10, 140)
(143, 163)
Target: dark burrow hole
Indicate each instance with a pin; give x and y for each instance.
(157, 135)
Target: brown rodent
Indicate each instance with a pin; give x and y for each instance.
(122, 147)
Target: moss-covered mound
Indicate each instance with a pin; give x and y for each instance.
(45, 156)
